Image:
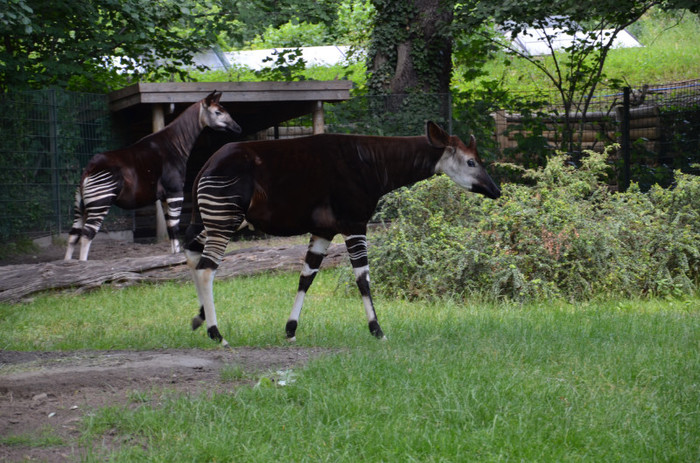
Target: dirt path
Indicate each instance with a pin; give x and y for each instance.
(49, 393)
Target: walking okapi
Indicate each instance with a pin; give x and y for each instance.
(150, 170)
(323, 185)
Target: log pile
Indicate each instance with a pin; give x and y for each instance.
(598, 129)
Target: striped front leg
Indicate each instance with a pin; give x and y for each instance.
(357, 248)
(314, 256)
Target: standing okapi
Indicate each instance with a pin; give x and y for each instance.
(323, 185)
(150, 170)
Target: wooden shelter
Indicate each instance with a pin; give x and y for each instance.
(256, 106)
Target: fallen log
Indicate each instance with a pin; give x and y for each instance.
(19, 281)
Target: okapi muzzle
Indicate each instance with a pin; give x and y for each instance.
(462, 164)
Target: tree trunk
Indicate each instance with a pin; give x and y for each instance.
(411, 49)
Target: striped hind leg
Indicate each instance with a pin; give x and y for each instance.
(357, 248)
(78, 223)
(314, 256)
(97, 194)
(220, 211)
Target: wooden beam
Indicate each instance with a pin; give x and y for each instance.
(232, 92)
(158, 122)
(318, 119)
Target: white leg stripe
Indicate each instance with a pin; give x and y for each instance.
(308, 271)
(359, 271)
(319, 245)
(298, 303)
(369, 310)
(205, 281)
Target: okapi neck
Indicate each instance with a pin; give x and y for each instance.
(181, 134)
(410, 160)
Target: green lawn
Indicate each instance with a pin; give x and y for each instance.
(602, 381)
(670, 53)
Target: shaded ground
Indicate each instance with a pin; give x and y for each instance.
(48, 394)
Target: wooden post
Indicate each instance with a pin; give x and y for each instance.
(501, 127)
(319, 123)
(158, 122)
(625, 142)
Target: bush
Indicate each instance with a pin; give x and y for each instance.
(566, 236)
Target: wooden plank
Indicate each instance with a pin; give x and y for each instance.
(233, 92)
(593, 116)
(645, 122)
(586, 136)
(650, 133)
(126, 102)
(644, 111)
(208, 87)
(247, 97)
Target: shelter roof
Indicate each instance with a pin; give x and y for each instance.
(254, 105)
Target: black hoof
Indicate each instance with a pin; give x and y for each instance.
(376, 330)
(213, 333)
(199, 319)
(291, 328)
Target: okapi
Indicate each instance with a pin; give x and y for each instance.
(323, 185)
(150, 170)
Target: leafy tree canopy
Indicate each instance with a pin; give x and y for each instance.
(72, 43)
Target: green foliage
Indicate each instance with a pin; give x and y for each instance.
(355, 21)
(567, 236)
(411, 47)
(287, 65)
(71, 43)
(389, 115)
(292, 34)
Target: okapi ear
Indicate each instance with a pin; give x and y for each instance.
(436, 136)
(472, 143)
(213, 97)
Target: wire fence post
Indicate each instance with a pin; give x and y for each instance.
(625, 138)
(53, 152)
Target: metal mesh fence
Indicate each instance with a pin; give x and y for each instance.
(46, 138)
(657, 126)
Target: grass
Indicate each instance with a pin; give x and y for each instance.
(669, 54)
(44, 438)
(602, 381)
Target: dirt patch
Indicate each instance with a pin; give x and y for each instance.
(102, 249)
(49, 393)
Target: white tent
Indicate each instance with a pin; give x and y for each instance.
(255, 59)
(535, 41)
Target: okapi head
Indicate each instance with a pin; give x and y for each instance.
(212, 114)
(461, 163)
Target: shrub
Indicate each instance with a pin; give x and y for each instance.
(565, 236)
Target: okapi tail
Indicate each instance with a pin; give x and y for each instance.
(79, 213)
(196, 227)
(79, 217)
